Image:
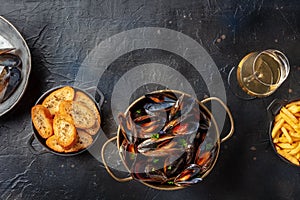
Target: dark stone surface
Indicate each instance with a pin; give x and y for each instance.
(60, 35)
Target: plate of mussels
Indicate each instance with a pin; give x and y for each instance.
(15, 66)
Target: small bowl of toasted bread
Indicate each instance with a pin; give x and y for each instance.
(66, 120)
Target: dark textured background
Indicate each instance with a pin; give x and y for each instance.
(61, 33)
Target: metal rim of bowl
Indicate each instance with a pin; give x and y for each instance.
(42, 141)
(26, 78)
(171, 187)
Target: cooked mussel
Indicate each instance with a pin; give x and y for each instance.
(128, 127)
(148, 170)
(158, 146)
(175, 163)
(189, 176)
(182, 107)
(129, 152)
(146, 125)
(162, 97)
(205, 155)
(10, 74)
(10, 60)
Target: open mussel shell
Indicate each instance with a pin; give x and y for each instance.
(10, 74)
(10, 60)
(175, 158)
(189, 176)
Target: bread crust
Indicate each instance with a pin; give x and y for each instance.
(42, 121)
(53, 100)
(83, 141)
(52, 143)
(83, 98)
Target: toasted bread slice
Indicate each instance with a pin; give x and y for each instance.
(82, 116)
(42, 121)
(53, 100)
(83, 98)
(83, 141)
(94, 129)
(65, 130)
(52, 143)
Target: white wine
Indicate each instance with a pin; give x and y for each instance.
(260, 74)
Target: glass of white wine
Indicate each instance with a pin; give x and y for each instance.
(259, 74)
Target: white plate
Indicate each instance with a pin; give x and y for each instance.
(10, 37)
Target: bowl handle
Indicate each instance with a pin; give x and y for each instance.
(228, 113)
(106, 166)
(93, 90)
(32, 149)
(274, 107)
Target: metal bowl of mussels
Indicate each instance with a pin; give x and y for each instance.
(15, 66)
(168, 140)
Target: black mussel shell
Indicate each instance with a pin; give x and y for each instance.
(14, 81)
(12, 64)
(10, 60)
(188, 176)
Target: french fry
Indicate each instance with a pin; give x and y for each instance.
(295, 139)
(289, 157)
(297, 103)
(288, 127)
(286, 134)
(285, 145)
(295, 150)
(287, 150)
(289, 121)
(294, 109)
(282, 140)
(290, 115)
(295, 135)
(277, 127)
(277, 118)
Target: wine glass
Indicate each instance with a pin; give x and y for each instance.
(259, 74)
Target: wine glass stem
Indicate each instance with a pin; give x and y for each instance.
(251, 77)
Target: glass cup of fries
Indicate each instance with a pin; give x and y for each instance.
(285, 133)
(259, 74)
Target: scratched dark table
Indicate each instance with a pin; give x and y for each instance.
(60, 35)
